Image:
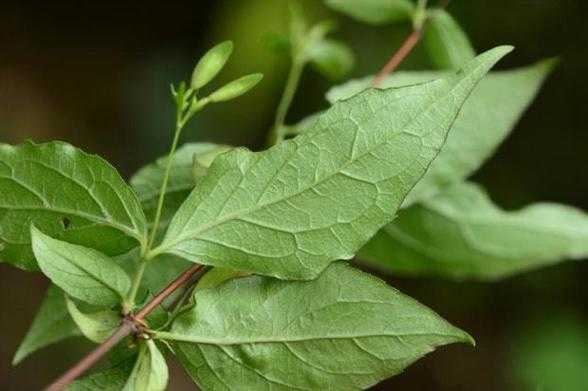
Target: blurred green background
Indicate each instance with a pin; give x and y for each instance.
(97, 75)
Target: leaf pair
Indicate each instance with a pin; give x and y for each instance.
(309, 45)
(68, 194)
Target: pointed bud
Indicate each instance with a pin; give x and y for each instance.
(235, 88)
(211, 64)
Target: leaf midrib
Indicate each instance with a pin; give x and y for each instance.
(228, 342)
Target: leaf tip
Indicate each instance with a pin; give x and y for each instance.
(18, 357)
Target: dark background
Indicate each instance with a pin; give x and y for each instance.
(96, 74)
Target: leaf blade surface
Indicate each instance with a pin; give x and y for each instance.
(291, 210)
(345, 330)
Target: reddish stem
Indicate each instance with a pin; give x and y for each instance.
(397, 57)
(129, 325)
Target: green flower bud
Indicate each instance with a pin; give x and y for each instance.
(211, 64)
(235, 88)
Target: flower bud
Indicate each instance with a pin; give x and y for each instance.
(211, 64)
(235, 88)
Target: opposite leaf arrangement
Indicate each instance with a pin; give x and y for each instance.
(265, 299)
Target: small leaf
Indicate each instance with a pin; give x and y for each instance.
(53, 183)
(447, 44)
(346, 330)
(235, 88)
(150, 372)
(147, 182)
(461, 234)
(477, 131)
(377, 12)
(331, 58)
(211, 64)
(52, 324)
(96, 326)
(81, 272)
(291, 210)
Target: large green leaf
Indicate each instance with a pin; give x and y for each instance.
(52, 324)
(447, 44)
(96, 326)
(150, 372)
(486, 119)
(461, 234)
(81, 272)
(377, 12)
(189, 158)
(291, 210)
(67, 193)
(345, 330)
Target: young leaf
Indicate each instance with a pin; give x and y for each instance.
(291, 210)
(477, 131)
(147, 182)
(67, 193)
(447, 44)
(52, 324)
(377, 12)
(150, 371)
(81, 272)
(461, 234)
(333, 59)
(346, 330)
(235, 88)
(96, 326)
(211, 64)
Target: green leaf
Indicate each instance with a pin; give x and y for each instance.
(445, 41)
(217, 276)
(461, 234)
(112, 379)
(52, 324)
(346, 330)
(235, 88)
(478, 130)
(96, 326)
(161, 272)
(291, 210)
(377, 12)
(147, 182)
(333, 59)
(81, 272)
(67, 193)
(211, 64)
(150, 371)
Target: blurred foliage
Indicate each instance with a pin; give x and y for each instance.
(552, 354)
